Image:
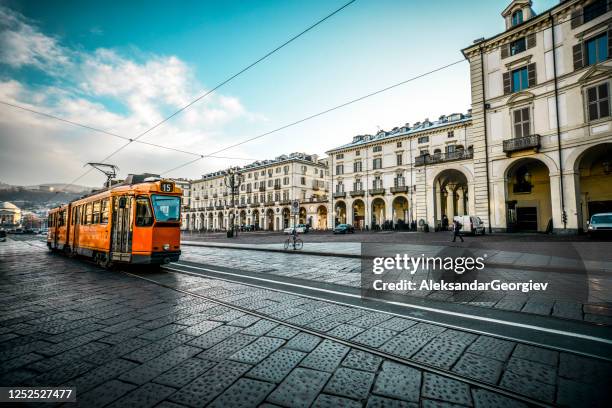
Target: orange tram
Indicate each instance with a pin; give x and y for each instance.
(136, 222)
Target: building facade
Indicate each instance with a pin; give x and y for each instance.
(263, 197)
(10, 215)
(541, 124)
(185, 185)
(533, 154)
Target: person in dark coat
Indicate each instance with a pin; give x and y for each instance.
(444, 223)
(456, 228)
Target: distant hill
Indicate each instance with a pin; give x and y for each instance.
(32, 199)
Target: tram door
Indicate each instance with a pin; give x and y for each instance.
(121, 233)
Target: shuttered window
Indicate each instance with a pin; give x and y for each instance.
(517, 46)
(594, 10)
(377, 163)
(597, 49)
(522, 122)
(598, 101)
(519, 79)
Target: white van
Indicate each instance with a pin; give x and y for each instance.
(470, 224)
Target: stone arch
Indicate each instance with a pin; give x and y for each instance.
(286, 217)
(270, 219)
(321, 217)
(451, 195)
(379, 209)
(528, 195)
(399, 207)
(359, 213)
(339, 212)
(256, 219)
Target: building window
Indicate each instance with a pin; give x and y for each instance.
(377, 149)
(357, 153)
(340, 169)
(520, 79)
(377, 182)
(424, 152)
(423, 139)
(340, 187)
(399, 144)
(597, 49)
(598, 99)
(399, 159)
(285, 180)
(340, 156)
(357, 186)
(517, 17)
(518, 46)
(399, 180)
(450, 149)
(357, 167)
(451, 133)
(377, 163)
(593, 10)
(522, 122)
(303, 181)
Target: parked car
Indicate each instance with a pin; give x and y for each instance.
(600, 224)
(344, 229)
(470, 224)
(306, 227)
(300, 230)
(2, 236)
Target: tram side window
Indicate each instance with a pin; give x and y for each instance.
(88, 213)
(144, 215)
(104, 213)
(61, 218)
(96, 212)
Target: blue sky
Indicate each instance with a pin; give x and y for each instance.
(122, 66)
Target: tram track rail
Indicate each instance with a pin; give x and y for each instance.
(388, 356)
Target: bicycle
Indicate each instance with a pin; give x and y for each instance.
(295, 242)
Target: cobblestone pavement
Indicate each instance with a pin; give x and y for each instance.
(570, 296)
(123, 341)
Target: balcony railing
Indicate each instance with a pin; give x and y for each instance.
(340, 195)
(277, 187)
(253, 205)
(218, 207)
(376, 191)
(399, 189)
(262, 188)
(357, 193)
(210, 208)
(522, 143)
(268, 203)
(443, 157)
(285, 202)
(242, 206)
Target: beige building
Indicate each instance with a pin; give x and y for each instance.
(185, 185)
(533, 154)
(10, 215)
(386, 178)
(264, 196)
(541, 125)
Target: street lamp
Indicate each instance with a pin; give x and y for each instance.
(233, 180)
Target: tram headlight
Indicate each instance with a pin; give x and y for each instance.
(166, 247)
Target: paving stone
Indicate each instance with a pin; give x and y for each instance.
(350, 383)
(446, 389)
(345, 331)
(332, 401)
(244, 393)
(567, 310)
(527, 386)
(154, 367)
(201, 328)
(575, 394)
(492, 347)
(532, 370)
(244, 321)
(488, 399)
(397, 324)
(101, 374)
(584, 369)
(61, 374)
(258, 350)
(206, 387)
(303, 342)
(398, 381)
(428, 403)
(479, 367)
(538, 306)
(404, 346)
(123, 336)
(20, 361)
(23, 349)
(146, 396)
(104, 394)
(214, 336)
(277, 366)
(326, 357)
(300, 388)
(361, 360)
(157, 348)
(17, 377)
(283, 332)
(374, 336)
(371, 319)
(227, 347)
(185, 372)
(538, 354)
(376, 401)
(115, 351)
(260, 328)
(440, 352)
(67, 357)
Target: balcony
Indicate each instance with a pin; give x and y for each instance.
(269, 203)
(443, 158)
(225, 193)
(241, 206)
(376, 191)
(210, 208)
(253, 205)
(340, 195)
(215, 195)
(218, 207)
(357, 193)
(399, 189)
(522, 143)
(285, 202)
(277, 187)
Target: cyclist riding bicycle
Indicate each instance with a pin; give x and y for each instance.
(294, 241)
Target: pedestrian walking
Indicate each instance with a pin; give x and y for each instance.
(456, 228)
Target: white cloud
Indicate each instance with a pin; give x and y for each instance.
(104, 89)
